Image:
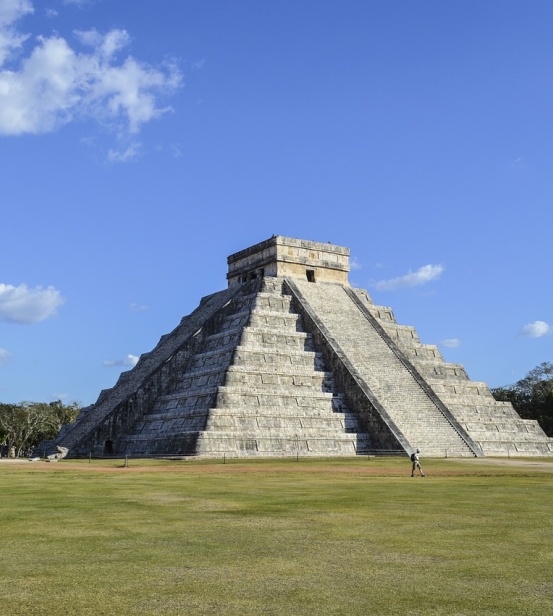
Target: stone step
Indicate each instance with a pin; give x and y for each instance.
(484, 410)
(284, 424)
(291, 436)
(509, 448)
(274, 338)
(284, 369)
(213, 443)
(220, 357)
(424, 353)
(198, 380)
(236, 421)
(439, 371)
(250, 430)
(221, 341)
(517, 430)
(197, 397)
(310, 414)
(465, 388)
(267, 320)
(334, 405)
(272, 302)
(237, 319)
(230, 396)
(239, 376)
(244, 356)
(402, 335)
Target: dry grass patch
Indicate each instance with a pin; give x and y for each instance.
(349, 536)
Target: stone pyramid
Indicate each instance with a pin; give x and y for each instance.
(290, 360)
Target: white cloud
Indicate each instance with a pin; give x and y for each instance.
(138, 307)
(10, 40)
(130, 360)
(537, 329)
(412, 279)
(56, 83)
(452, 343)
(23, 305)
(354, 264)
(5, 357)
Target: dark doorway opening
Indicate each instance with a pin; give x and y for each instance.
(310, 275)
(108, 448)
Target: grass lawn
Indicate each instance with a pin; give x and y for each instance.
(348, 537)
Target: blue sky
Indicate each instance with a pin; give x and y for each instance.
(142, 143)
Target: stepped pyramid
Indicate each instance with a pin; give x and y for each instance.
(290, 360)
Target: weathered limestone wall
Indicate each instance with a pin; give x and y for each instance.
(284, 256)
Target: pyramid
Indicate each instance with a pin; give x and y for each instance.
(291, 360)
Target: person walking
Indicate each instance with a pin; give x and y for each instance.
(416, 463)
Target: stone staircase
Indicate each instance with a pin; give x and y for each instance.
(256, 386)
(421, 420)
(494, 426)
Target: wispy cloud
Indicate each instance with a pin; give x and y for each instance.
(423, 275)
(451, 343)
(5, 357)
(537, 329)
(176, 150)
(126, 154)
(130, 360)
(198, 64)
(56, 82)
(11, 40)
(354, 264)
(24, 305)
(518, 164)
(138, 307)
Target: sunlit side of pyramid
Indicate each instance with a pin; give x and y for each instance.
(290, 360)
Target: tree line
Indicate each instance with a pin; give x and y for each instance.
(25, 425)
(532, 396)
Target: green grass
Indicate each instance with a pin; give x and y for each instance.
(265, 537)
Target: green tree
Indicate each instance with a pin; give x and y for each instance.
(26, 424)
(532, 396)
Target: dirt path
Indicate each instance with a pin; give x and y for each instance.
(533, 464)
(373, 467)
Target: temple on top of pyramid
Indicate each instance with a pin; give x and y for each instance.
(290, 360)
(285, 256)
